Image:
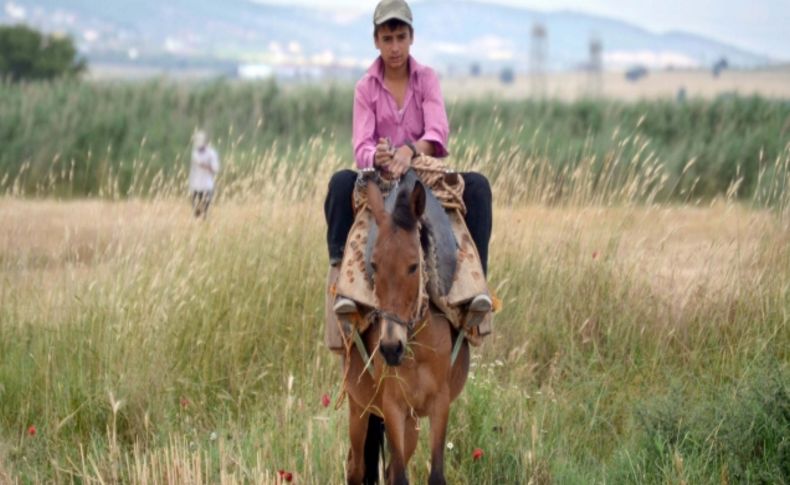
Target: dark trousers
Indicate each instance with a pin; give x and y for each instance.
(201, 200)
(339, 212)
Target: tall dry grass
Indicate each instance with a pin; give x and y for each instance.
(640, 341)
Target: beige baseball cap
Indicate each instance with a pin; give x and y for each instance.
(392, 9)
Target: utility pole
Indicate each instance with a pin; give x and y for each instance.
(595, 68)
(537, 60)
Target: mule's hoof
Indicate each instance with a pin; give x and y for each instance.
(344, 306)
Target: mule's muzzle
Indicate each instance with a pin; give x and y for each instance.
(392, 353)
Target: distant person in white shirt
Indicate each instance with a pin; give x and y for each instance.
(203, 170)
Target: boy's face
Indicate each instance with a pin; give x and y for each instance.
(394, 45)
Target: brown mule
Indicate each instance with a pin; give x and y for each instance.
(410, 348)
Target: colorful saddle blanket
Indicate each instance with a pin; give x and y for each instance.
(455, 273)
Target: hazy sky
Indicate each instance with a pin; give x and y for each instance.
(762, 26)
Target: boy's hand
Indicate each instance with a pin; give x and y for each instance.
(383, 156)
(401, 161)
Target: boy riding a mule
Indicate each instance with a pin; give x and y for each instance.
(400, 122)
(408, 250)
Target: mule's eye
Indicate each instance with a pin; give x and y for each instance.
(412, 269)
(374, 267)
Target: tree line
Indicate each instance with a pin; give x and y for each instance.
(27, 54)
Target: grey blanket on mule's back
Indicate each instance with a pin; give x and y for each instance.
(440, 247)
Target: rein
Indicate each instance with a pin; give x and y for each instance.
(377, 315)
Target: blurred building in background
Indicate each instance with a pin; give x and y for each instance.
(533, 51)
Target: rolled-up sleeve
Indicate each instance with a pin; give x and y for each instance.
(364, 126)
(437, 127)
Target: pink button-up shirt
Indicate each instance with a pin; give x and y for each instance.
(376, 114)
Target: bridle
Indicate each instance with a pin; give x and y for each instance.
(409, 324)
(419, 316)
(419, 313)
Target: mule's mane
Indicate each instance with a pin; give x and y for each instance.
(403, 217)
(402, 214)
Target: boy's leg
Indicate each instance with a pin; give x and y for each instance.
(206, 202)
(196, 203)
(479, 217)
(339, 212)
(479, 220)
(333, 337)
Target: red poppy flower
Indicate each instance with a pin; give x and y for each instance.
(285, 476)
(477, 454)
(184, 402)
(325, 400)
(31, 430)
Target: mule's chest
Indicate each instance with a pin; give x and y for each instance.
(415, 386)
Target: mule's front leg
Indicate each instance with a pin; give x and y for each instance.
(358, 429)
(394, 426)
(438, 417)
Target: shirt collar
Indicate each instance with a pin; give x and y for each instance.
(377, 68)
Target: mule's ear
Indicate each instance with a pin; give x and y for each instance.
(376, 202)
(417, 200)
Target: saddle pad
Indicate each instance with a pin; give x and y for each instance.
(469, 279)
(353, 281)
(466, 282)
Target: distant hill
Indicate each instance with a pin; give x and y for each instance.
(452, 35)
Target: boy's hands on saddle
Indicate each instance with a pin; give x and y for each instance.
(392, 162)
(401, 161)
(383, 156)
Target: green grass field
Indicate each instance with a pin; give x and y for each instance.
(72, 139)
(644, 336)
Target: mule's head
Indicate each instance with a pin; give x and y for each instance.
(395, 262)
